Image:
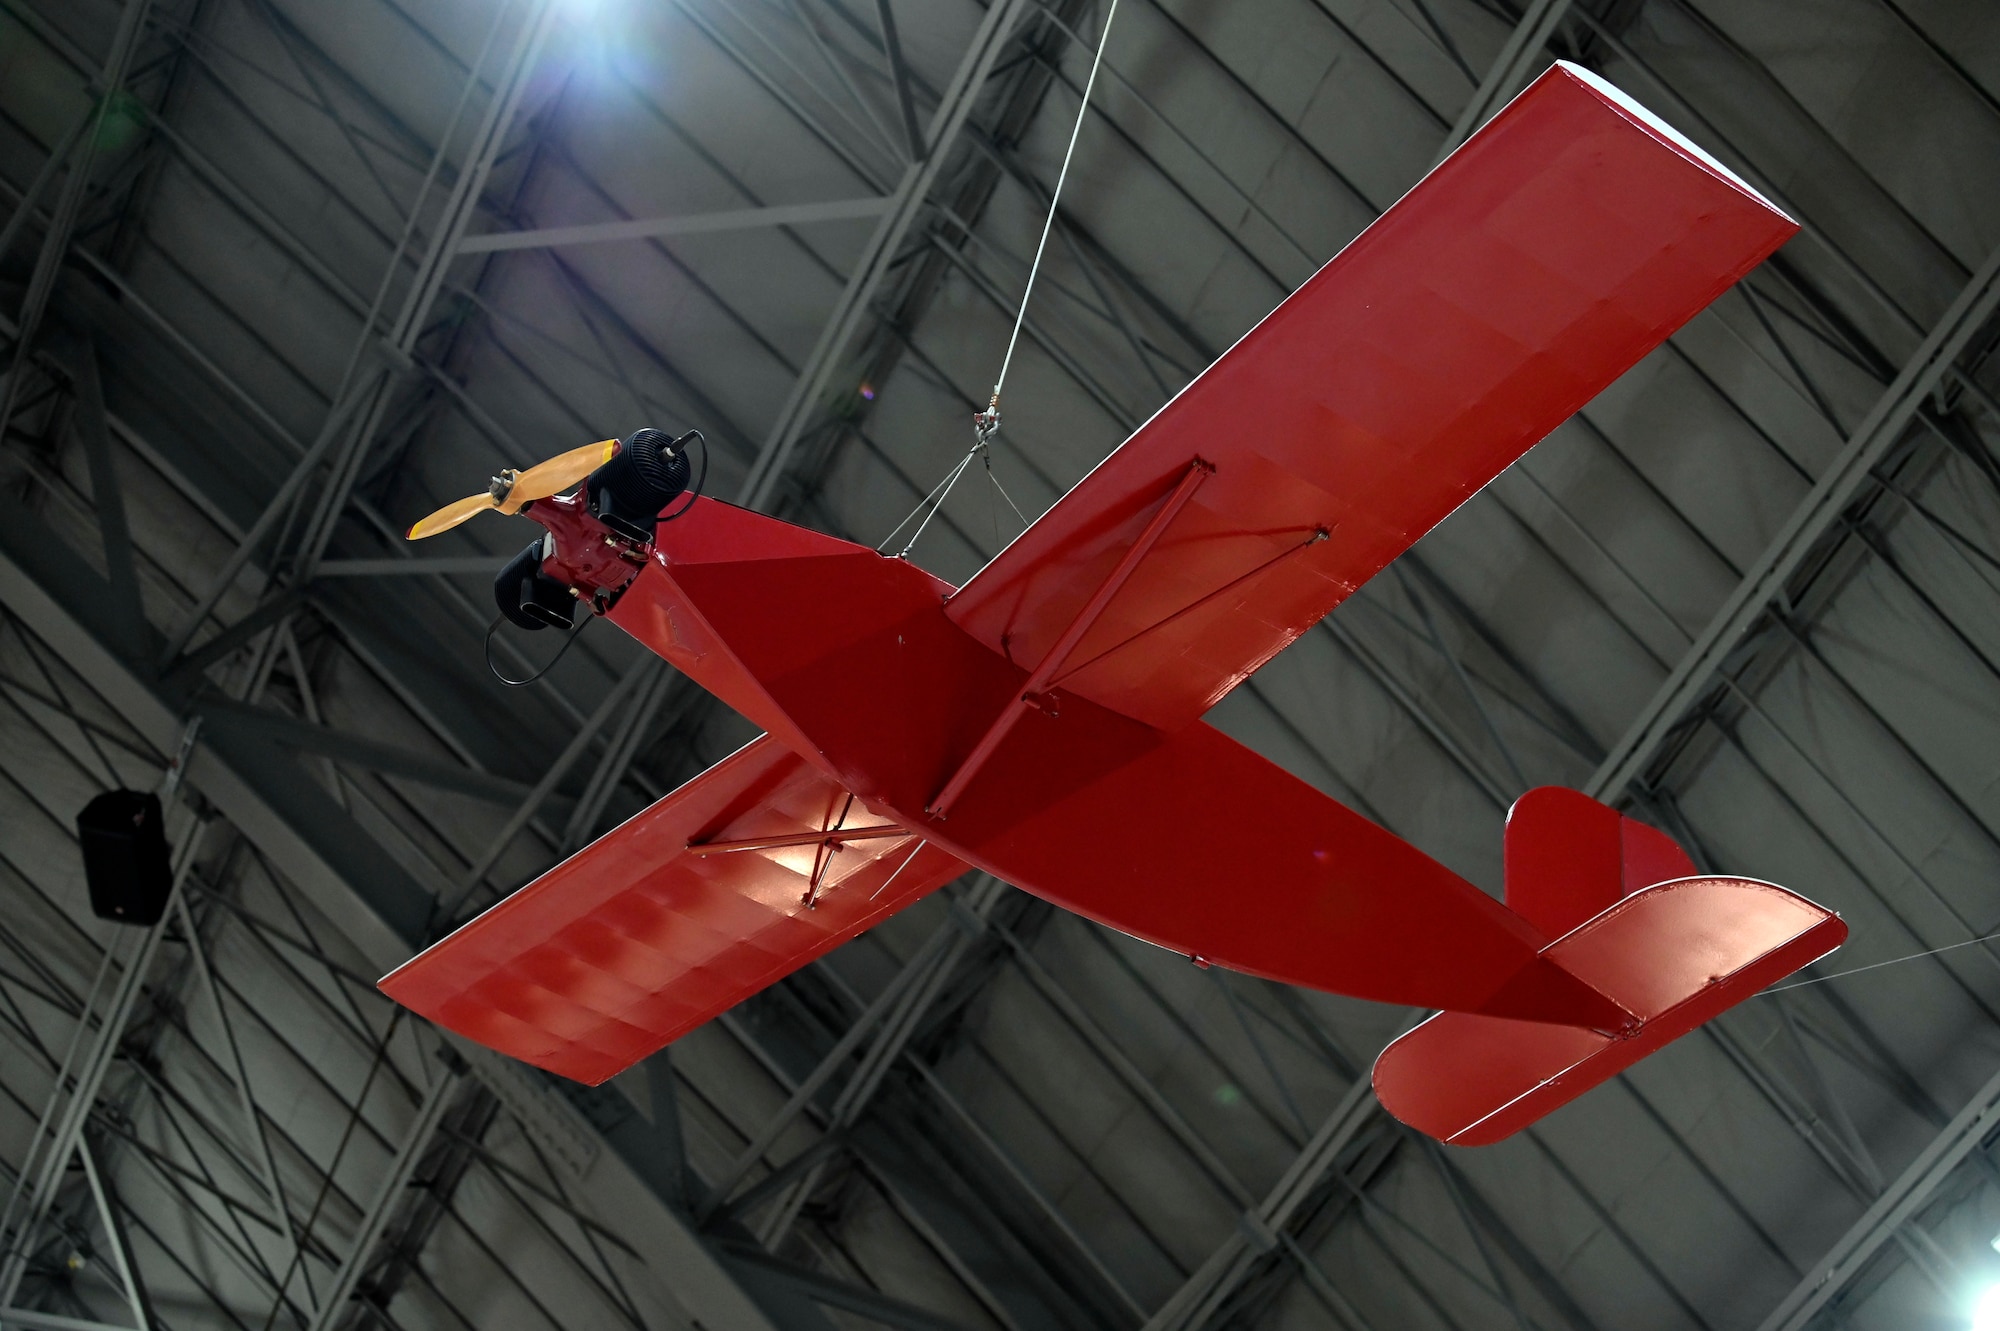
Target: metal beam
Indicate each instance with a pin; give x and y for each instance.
(1814, 519)
(899, 71)
(69, 204)
(460, 206)
(753, 1265)
(388, 1195)
(442, 566)
(388, 759)
(239, 1075)
(73, 1093)
(31, 198)
(1517, 59)
(114, 1233)
(1256, 1234)
(966, 922)
(638, 674)
(802, 403)
(28, 1319)
(339, 867)
(1901, 1201)
(620, 749)
(740, 219)
(891, 1005)
(108, 497)
(361, 400)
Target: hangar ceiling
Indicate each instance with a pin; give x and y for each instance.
(280, 277)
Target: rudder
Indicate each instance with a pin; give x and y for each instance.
(1570, 858)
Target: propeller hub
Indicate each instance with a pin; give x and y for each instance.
(503, 484)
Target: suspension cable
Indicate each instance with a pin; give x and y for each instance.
(986, 422)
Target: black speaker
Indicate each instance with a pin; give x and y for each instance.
(125, 856)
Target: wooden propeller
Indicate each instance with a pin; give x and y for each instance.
(511, 489)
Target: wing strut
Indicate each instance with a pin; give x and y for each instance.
(838, 836)
(1030, 694)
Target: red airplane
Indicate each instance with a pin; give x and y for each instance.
(1043, 722)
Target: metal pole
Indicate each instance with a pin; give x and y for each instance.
(115, 1235)
(795, 415)
(898, 1026)
(387, 1194)
(69, 203)
(1521, 53)
(1814, 518)
(459, 208)
(267, 1166)
(1218, 1276)
(41, 1175)
(1891, 1211)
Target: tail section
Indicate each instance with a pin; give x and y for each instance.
(1632, 919)
(1570, 858)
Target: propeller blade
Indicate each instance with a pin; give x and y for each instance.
(559, 473)
(451, 515)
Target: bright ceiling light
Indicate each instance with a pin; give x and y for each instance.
(1986, 1312)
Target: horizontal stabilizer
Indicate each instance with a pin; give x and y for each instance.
(1675, 955)
(679, 914)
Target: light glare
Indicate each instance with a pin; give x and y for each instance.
(1986, 1312)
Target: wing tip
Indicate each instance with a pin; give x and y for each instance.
(1649, 120)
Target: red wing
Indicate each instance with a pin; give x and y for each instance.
(636, 939)
(1562, 243)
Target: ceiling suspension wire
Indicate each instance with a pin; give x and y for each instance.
(986, 423)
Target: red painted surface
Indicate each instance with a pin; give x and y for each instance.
(1055, 700)
(1675, 954)
(634, 941)
(1570, 858)
(1033, 690)
(1564, 859)
(595, 563)
(1563, 242)
(1184, 838)
(1648, 855)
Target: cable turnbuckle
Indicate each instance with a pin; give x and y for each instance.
(986, 424)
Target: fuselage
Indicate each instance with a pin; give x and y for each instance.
(1184, 838)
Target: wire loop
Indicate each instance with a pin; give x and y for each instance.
(492, 628)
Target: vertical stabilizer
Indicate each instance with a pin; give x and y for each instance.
(1569, 858)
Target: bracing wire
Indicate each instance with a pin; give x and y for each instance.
(949, 481)
(1878, 965)
(1025, 524)
(934, 500)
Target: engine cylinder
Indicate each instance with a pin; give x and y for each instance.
(627, 493)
